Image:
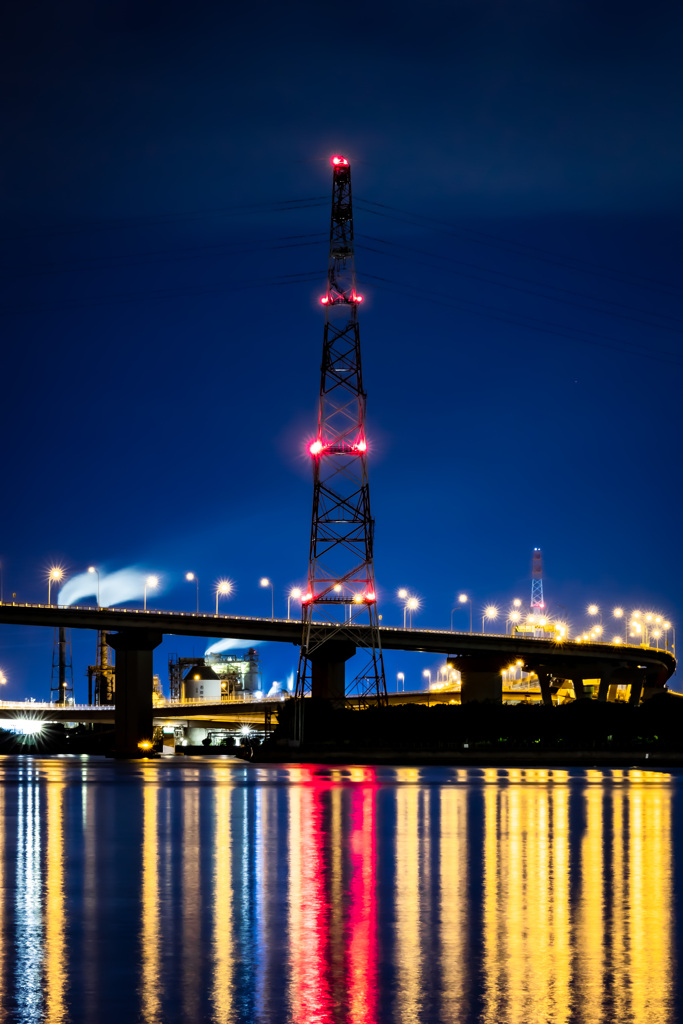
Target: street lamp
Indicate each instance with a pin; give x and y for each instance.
(294, 593)
(400, 677)
(151, 582)
(593, 609)
(428, 676)
(55, 575)
(513, 617)
(223, 588)
(91, 570)
(265, 582)
(464, 599)
(411, 604)
(490, 612)
(517, 603)
(190, 577)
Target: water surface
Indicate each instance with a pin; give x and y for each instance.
(211, 890)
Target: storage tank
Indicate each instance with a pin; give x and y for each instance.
(201, 683)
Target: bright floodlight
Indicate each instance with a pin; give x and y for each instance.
(265, 582)
(618, 612)
(56, 573)
(152, 581)
(224, 587)
(357, 598)
(542, 621)
(667, 625)
(515, 616)
(517, 602)
(413, 603)
(403, 593)
(648, 617)
(635, 615)
(463, 598)
(616, 639)
(295, 593)
(491, 612)
(189, 576)
(593, 609)
(92, 568)
(337, 588)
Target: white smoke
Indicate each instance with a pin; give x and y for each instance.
(275, 690)
(219, 646)
(115, 588)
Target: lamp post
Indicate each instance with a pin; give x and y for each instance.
(464, 599)
(412, 604)
(265, 582)
(400, 678)
(223, 588)
(512, 618)
(294, 593)
(428, 676)
(490, 612)
(191, 578)
(56, 575)
(403, 596)
(92, 569)
(151, 582)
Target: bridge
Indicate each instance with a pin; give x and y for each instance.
(480, 657)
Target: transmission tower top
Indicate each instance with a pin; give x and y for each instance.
(537, 579)
(341, 580)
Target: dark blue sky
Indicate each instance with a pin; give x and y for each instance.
(522, 318)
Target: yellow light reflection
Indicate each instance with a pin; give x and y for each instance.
(191, 905)
(150, 981)
(55, 952)
(562, 940)
(409, 899)
(453, 901)
(223, 906)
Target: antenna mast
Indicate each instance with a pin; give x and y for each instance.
(341, 591)
(537, 603)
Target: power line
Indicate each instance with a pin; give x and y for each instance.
(174, 255)
(163, 293)
(518, 248)
(528, 322)
(274, 206)
(513, 287)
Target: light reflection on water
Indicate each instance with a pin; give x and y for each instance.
(214, 891)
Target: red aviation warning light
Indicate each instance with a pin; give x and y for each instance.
(370, 596)
(307, 598)
(340, 161)
(361, 446)
(325, 299)
(315, 447)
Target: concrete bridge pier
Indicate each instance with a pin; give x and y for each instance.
(481, 678)
(544, 682)
(328, 669)
(579, 692)
(134, 680)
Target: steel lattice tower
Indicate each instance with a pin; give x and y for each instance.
(537, 580)
(341, 584)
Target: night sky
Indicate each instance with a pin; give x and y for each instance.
(165, 185)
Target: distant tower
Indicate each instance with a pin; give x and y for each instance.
(62, 676)
(341, 581)
(537, 603)
(102, 673)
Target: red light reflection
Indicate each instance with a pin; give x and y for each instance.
(362, 925)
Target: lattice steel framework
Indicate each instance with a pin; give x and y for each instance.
(537, 579)
(341, 582)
